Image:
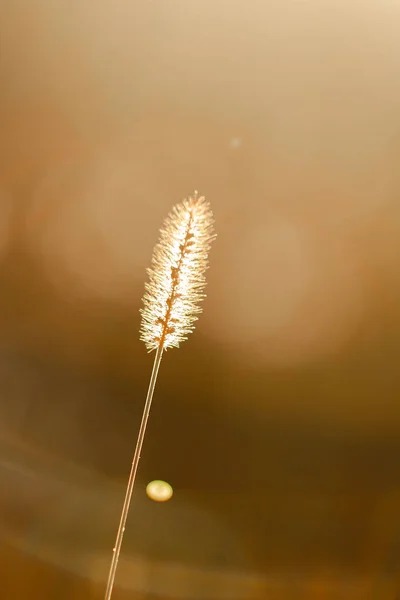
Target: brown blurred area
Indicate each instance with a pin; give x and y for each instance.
(278, 422)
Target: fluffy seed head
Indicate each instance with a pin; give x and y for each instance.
(177, 275)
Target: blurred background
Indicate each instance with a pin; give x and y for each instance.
(277, 424)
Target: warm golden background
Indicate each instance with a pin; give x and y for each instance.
(278, 422)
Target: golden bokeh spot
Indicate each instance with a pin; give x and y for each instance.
(158, 490)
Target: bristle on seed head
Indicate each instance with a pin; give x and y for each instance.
(177, 275)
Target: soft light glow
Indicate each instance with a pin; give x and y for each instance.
(158, 490)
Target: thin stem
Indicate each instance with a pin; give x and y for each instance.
(132, 475)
